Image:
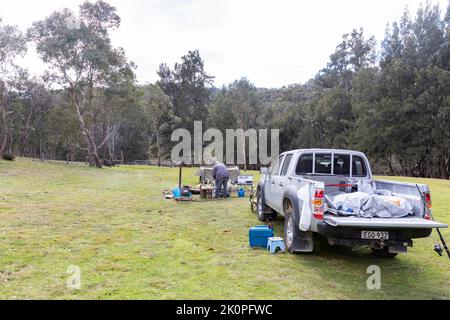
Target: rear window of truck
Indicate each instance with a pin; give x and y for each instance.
(341, 166)
(324, 166)
(304, 164)
(358, 167)
(323, 163)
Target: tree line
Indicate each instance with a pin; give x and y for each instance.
(390, 101)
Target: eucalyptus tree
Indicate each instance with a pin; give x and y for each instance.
(12, 44)
(82, 60)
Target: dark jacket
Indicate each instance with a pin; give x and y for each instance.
(220, 172)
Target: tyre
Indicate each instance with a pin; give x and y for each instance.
(383, 253)
(295, 239)
(263, 211)
(290, 229)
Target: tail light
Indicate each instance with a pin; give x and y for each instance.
(428, 199)
(318, 204)
(428, 205)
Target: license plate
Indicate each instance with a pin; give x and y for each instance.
(375, 235)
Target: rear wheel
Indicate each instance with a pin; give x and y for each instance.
(264, 212)
(383, 253)
(295, 239)
(290, 230)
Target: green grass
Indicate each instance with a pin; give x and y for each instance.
(131, 243)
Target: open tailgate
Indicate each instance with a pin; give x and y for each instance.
(408, 223)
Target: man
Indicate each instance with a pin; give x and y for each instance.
(221, 176)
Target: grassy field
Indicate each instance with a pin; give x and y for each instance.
(131, 243)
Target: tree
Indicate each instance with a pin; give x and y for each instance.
(159, 119)
(236, 106)
(82, 61)
(392, 45)
(244, 106)
(30, 102)
(188, 87)
(220, 114)
(52, 137)
(12, 44)
(351, 55)
(412, 104)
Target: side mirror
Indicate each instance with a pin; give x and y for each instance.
(264, 171)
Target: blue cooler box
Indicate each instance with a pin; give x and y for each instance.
(259, 236)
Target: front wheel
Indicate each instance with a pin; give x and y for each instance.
(264, 212)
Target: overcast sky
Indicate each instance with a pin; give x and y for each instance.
(272, 43)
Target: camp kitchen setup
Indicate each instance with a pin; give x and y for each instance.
(240, 185)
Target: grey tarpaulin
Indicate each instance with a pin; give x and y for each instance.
(366, 203)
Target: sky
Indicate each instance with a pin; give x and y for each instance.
(272, 43)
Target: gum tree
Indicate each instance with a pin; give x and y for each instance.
(82, 60)
(12, 44)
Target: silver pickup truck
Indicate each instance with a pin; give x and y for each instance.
(299, 183)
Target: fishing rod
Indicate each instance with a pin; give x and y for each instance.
(437, 246)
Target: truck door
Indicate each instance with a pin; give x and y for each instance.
(281, 183)
(271, 182)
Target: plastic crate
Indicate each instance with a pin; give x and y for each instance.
(259, 236)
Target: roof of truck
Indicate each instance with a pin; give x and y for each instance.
(325, 150)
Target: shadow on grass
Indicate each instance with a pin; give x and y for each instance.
(345, 267)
